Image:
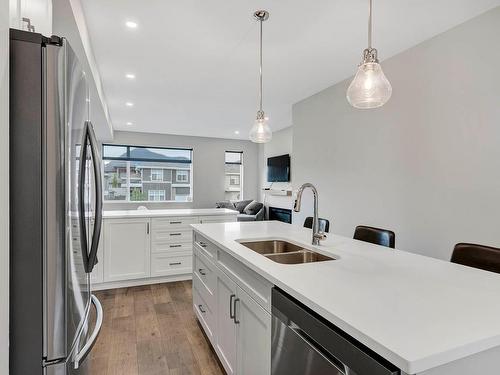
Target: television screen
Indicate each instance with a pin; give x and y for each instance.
(278, 168)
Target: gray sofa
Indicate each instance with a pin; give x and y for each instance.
(249, 210)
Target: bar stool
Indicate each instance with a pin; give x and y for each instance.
(324, 224)
(376, 236)
(478, 256)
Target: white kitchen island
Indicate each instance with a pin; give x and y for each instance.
(423, 315)
(139, 247)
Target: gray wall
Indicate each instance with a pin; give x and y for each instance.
(427, 164)
(208, 164)
(4, 186)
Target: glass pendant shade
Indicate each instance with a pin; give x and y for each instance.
(369, 88)
(261, 131)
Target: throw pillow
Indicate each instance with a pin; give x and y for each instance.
(253, 208)
(240, 206)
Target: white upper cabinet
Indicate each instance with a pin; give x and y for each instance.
(38, 12)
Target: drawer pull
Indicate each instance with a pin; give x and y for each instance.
(175, 234)
(201, 309)
(175, 263)
(176, 222)
(231, 313)
(202, 271)
(202, 244)
(175, 246)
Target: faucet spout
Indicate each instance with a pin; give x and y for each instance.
(317, 236)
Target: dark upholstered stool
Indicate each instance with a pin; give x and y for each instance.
(376, 236)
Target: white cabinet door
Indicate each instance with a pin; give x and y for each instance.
(226, 327)
(126, 249)
(39, 12)
(253, 336)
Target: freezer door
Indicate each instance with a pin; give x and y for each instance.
(77, 279)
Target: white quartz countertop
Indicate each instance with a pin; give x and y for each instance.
(120, 214)
(415, 311)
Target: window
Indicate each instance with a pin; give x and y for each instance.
(234, 175)
(156, 195)
(156, 174)
(134, 174)
(182, 176)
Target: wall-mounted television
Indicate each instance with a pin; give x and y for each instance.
(278, 168)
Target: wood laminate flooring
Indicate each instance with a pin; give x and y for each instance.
(151, 330)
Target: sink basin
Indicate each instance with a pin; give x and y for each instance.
(303, 256)
(272, 246)
(285, 252)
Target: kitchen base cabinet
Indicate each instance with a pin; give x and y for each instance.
(253, 336)
(126, 249)
(241, 335)
(225, 335)
(142, 248)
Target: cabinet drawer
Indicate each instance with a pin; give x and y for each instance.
(172, 223)
(205, 315)
(172, 236)
(170, 247)
(205, 293)
(251, 282)
(205, 270)
(206, 247)
(171, 264)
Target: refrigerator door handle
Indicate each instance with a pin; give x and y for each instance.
(82, 354)
(98, 196)
(81, 198)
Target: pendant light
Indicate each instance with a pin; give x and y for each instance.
(369, 88)
(261, 132)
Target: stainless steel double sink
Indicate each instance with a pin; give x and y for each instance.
(284, 252)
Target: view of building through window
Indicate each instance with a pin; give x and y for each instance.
(134, 174)
(234, 175)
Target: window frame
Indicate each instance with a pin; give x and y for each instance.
(240, 174)
(127, 159)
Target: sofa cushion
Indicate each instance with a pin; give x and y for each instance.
(253, 208)
(225, 204)
(240, 206)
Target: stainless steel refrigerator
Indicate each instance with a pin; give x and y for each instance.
(55, 209)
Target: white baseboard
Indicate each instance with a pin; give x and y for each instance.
(148, 281)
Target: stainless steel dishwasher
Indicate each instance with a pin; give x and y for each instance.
(303, 343)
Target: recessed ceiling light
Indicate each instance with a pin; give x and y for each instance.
(130, 75)
(129, 104)
(129, 124)
(131, 24)
(236, 132)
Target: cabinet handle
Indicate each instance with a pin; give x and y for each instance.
(231, 314)
(175, 245)
(175, 234)
(175, 263)
(234, 310)
(202, 271)
(202, 244)
(176, 222)
(147, 228)
(201, 309)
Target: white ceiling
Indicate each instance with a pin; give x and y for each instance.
(196, 61)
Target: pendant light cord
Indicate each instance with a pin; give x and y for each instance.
(260, 70)
(370, 24)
